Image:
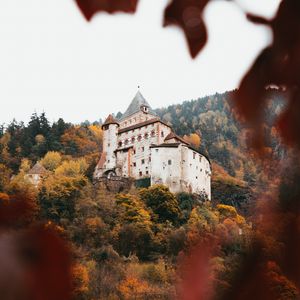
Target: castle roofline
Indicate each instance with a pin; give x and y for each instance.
(194, 149)
(135, 106)
(110, 120)
(176, 145)
(173, 135)
(148, 122)
(166, 145)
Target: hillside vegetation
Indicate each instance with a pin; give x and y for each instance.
(135, 245)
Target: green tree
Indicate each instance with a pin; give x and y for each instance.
(162, 202)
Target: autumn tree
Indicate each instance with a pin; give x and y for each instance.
(51, 160)
(163, 203)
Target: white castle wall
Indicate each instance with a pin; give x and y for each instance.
(181, 169)
(166, 167)
(196, 172)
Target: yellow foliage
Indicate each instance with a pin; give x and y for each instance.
(97, 132)
(51, 160)
(25, 165)
(72, 168)
(219, 174)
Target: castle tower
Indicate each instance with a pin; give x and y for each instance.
(107, 161)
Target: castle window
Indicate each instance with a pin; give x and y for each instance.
(152, 133)
(194, 155)
(108, 144)
(149, 158)
(108, 161)
(169, 162)
(132, 139)
(146, 135)
(134, 151)
(139, 138)
(134, 164)
(200, 158)
(143, 161)
(147, 172)
(143, 149)
(141, 173)
(126, 142)
(120, 144)
(162, 134)
(156, 150)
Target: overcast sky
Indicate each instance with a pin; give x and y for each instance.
(52, 60)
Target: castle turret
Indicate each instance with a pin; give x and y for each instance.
(107, 161)
(110, 141)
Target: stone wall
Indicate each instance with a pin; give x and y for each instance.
(116, 184)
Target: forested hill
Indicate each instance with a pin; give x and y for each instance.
(209, 123)
(222, 136)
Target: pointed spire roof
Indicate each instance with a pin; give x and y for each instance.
(110, 120)
(37, 169)
(135, 106)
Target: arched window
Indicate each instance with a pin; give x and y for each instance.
(139, 138)
(133, 139)
(126, 142)
(153, 133)
(146, 135)
(120, 144)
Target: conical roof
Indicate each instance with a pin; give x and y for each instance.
(135, 106)
(37, 169)
(110, 120)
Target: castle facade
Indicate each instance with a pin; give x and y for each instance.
(141, 145)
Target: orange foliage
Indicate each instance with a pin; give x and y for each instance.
(133, 288)
(194, 139)
(81, 278)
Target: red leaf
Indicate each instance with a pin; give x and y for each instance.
(278, 64)
(187, 14)
(90, 7)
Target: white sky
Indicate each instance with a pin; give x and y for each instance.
(52, 60)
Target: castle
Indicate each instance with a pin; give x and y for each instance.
(141, 145)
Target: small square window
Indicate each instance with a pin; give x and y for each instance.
(143, 161)
(169, 162)
(134, 164)
(141, 173)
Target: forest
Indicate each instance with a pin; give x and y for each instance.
(141, 243)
